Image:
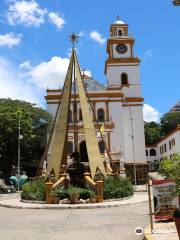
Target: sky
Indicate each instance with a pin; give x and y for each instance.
(35, 49)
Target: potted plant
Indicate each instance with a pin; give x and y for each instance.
(170, 168)
(93, 197)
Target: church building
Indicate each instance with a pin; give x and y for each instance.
(118, 106)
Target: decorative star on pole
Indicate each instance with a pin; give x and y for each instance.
(73, 38)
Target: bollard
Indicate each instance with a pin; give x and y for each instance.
(99, 189)
(49, 199)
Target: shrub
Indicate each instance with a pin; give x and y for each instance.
(34, 190)
(62, 193)
(170, 168)
(117, 187)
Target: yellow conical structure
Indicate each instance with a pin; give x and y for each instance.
(59, 138)
(95, 159)
(58, 146)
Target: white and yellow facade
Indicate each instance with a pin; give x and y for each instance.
(117, 106)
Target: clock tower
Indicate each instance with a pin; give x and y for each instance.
(121, 66)
(122, 69)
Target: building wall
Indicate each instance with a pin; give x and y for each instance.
(163, 148)
(137, 129)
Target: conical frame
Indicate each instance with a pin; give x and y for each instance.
(95, 158)
(58, 146)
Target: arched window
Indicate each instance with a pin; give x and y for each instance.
(80, 115)
(152, 152)
(101, 146)
(124, 79)
(146, 152)
(100, 115)
(70, 116)
(70, 148)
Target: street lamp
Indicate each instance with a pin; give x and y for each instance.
(132, 136)
(19, 147)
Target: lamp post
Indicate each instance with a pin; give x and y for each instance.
(19, 148)
(132, 136)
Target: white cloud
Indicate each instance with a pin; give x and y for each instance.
(96, 36)
(147, 54)
(56, 19)
(81, 34)
(26, 13)
(150, 113)
(50, 74)
(87, 73)
(10, 39)
(25, 65)
(14, 86)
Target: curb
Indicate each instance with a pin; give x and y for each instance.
(5, 204)
(147, 234)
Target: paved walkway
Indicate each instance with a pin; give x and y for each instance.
(162, 231)
(15, 202)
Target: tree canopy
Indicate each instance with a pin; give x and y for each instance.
(155, 131)
(33, 127)
(169, 121)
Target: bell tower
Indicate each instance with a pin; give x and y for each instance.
(122, 69)
(121, 66)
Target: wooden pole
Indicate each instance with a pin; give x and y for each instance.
(150, 205)
(99, 189)
(48, 191)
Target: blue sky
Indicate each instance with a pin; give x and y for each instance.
(34, 47)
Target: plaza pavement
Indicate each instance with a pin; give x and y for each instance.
(162, 231)
(116, 223)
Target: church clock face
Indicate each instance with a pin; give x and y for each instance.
(121, 48)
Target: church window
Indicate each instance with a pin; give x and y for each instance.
(124, 79)
(70, 148)
(70, 116)
(100, 115)
(80, 115)
(119, 32)
(152, 152)
(146, 152)
(101, 146)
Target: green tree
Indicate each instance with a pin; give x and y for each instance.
(170, 168)
(152, 132)
(34, 122)
(169, 121)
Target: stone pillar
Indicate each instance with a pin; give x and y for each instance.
(99, 189)
(49, 199)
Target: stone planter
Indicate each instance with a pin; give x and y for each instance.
(177, 223)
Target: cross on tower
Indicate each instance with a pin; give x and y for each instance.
(117, 17)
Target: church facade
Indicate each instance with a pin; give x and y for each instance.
(118, 106)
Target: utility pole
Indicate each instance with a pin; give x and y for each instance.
(19, 149)
(132, 136)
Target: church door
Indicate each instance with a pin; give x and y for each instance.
(83, 152)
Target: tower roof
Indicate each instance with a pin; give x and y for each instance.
(119, 22)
